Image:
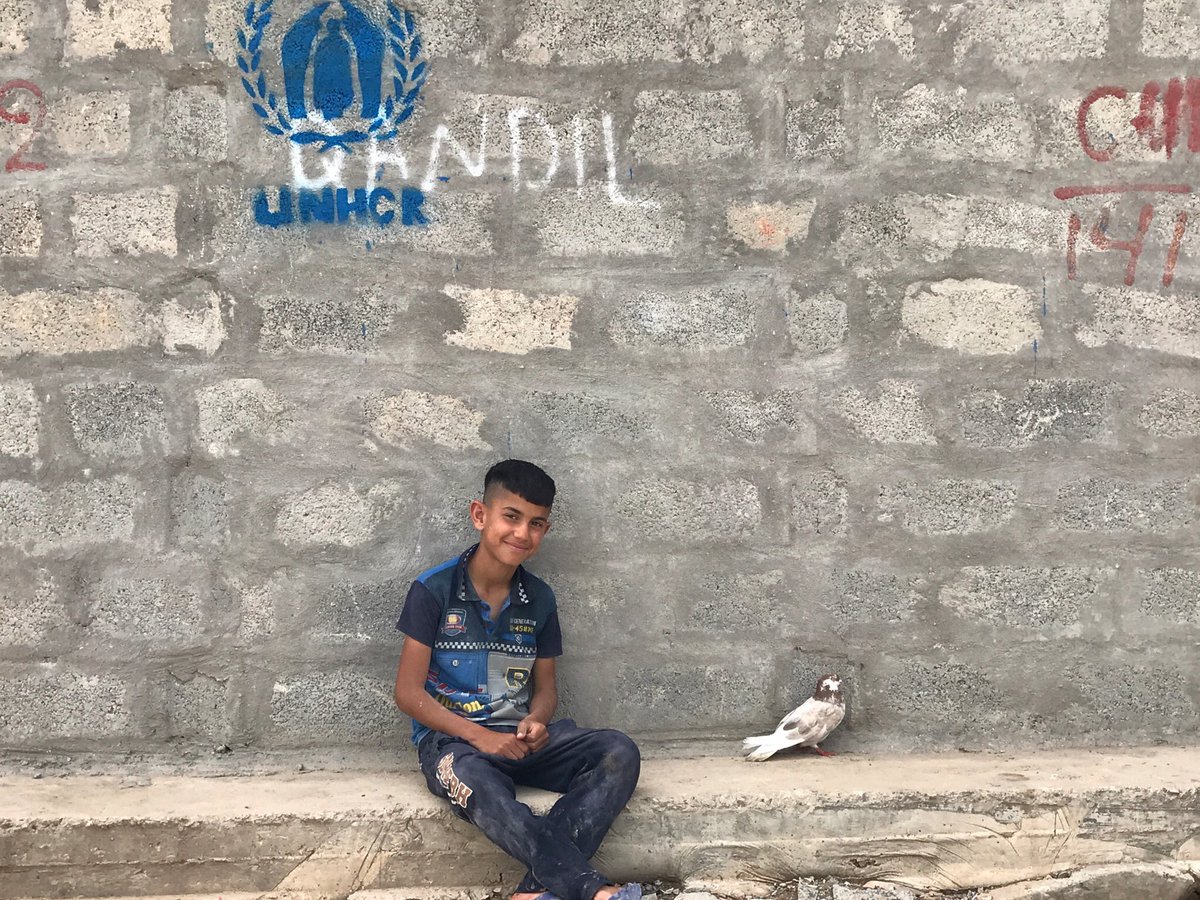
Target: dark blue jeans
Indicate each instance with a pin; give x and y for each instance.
(594, 770)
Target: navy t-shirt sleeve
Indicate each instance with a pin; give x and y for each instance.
(549, 639)
(421, 615)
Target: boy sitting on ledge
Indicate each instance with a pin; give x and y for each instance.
(477, 676)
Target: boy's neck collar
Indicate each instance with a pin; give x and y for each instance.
(516, 576)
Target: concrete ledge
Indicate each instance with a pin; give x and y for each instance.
(945, 822)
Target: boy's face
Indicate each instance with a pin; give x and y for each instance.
(510, 527)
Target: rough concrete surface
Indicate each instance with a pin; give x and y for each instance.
(858, 334)
(919, 823)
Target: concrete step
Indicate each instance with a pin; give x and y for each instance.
(947, 822)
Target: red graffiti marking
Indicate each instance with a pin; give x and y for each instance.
(1133, 247)
(1160, 119)
(1181, 221)
(1084, 108)
(15, 163)
(1068, 193)
(1102, 240)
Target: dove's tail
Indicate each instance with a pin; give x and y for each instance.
(764, 746)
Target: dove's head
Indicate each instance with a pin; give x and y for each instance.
(829, 688)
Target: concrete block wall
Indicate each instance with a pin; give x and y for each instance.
(859, 335)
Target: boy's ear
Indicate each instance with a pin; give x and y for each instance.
(478, 511)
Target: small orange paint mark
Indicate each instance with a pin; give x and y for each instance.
(766, 228)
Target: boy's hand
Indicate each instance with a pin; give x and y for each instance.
(533, 733)
(500, 743)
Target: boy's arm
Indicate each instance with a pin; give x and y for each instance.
(542, 704)
(413, 701)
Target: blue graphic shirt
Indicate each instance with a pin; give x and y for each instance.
(480, 669)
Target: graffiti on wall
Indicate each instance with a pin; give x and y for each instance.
(1166, 120)
(348, 85)
(23, 105)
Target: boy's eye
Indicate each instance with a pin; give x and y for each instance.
(512, 517)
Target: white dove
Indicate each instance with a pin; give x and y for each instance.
(806, 725)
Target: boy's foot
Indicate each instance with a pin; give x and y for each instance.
(543, 895)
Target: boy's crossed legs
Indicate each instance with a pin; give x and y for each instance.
(594, 770)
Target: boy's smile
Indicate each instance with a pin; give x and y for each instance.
(510, 527)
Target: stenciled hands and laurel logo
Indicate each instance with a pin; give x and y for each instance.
(338, 66)
(349, 81)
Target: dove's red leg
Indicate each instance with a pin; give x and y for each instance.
(821, 752)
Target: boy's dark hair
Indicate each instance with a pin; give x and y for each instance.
(527, 481)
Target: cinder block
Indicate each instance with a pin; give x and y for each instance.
(336, 707)
(338, 515)
(742, 601)
(751, 417)
(954, 125)
(1060, 410)
(702, 319)
(819, 504)
(15, 18)
(948, 505)
(588, 222)
(134, 223)
(506, 321)
(940, 224)
(54, 706)
(817, 324)
(1033, 30)
(1172, 594)
(360, 611)
(149, 609)
(876, 231)
(194, 124)
(199, 708)
(587, 605)
(647, 696)
(193, 323)
(199, 511)
(865, 24)
(56, 323)
(583, 417)
(1172, 413)
(106, 27)
(31, 608)
(1129, 698)
(94, 124)
(815, 131)
(770, 226)
(865, 596)
(74, 515)
(445, 421)
(20, 223)
(19, 417)
(975, 317)
(238, 409)
(258, 608)
(690, 126)
(631, 31)
(673, 509)
(1169, 28)
(1167, 323)
(894, 414)
(119, 418)
(460, 223)
(325, 325)
(958, 696)
(1024, 596)
(1107, 504)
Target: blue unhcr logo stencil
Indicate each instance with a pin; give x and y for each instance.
(348, 82)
